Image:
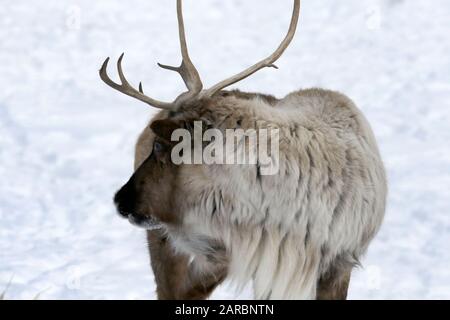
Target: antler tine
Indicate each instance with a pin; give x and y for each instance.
(266, 63)
(127, 89)
(187, 69)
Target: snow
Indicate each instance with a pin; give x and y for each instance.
(66, 140)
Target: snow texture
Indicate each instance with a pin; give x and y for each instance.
(67, 140)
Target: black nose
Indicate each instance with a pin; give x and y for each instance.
(125, 200)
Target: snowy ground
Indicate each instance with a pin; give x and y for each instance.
(66, 140)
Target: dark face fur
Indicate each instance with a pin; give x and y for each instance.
(147, 199)
(150, 197)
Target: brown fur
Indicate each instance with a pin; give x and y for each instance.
(174, 277)
(295, 234)
(333, 285)
(174, 195)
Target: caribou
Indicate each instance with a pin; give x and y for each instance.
(294, 234)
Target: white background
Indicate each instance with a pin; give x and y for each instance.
(67, 140)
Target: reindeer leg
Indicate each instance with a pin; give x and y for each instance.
(175, 277)
(334, 284)
(168, 267)
(200, 286)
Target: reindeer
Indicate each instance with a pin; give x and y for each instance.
(294, 235)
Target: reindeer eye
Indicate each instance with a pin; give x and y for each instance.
(157, 147)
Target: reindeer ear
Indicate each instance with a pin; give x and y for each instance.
(165, 128)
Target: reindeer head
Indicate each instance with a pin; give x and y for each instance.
(159, 188)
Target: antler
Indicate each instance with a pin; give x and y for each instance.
(190, 74)
(266, 63)
(127, 89)
(186, 70)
